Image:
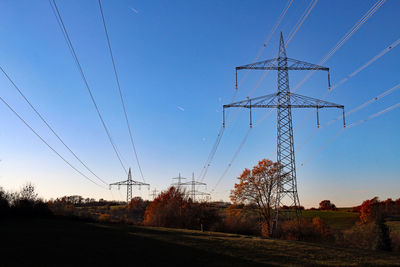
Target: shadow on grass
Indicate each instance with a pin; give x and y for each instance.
(60, 242)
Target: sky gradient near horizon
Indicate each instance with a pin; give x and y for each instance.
(176, 62)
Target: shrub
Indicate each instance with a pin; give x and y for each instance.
(371, 235)
(303, 229)
(136, 209)
(104, 218)
(395, 237)
(172, 208)
(241, 219)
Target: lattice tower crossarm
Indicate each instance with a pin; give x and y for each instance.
(193, 192)
(129, 183)
(179, 183)
(284, 101)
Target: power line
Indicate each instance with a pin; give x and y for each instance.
(377, 114)
(48, 125)
(278, 22)
(222, 129)
(356, 109)
(301, 20)
(354, 73)
(344, 39)
(47, 144)
(119, 90)
(69, 43)
(292, 34)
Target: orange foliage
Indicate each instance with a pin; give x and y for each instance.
(172, 208)
(256, 187)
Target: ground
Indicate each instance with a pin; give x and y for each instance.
(337, 220)
(61, 242)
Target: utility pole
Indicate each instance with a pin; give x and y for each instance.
(193, 192)
(129, 183)
(284, 101)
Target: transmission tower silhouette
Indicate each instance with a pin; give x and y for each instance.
(154, 193)
(129, 183)
(285, 191)
(179, 183)
(193, 192)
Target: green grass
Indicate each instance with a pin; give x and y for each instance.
(60, 242)
(338, 220)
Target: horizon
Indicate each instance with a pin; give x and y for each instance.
(176, 66)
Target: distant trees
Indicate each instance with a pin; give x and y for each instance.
(256, 187)
(326, 205)
(22, 203)
(4, 204)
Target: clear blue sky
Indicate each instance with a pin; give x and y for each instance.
(176, 63)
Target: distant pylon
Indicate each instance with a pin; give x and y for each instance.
(129, 183)
(179, 183)
(193, 192)
(284, 101)
(154, 193)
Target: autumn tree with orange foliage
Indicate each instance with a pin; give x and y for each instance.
(256, 186)
(173, 208)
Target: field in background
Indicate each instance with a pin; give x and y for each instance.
(337, 220)
(60, 242)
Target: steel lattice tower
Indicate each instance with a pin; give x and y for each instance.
(284, 101)
(129, 183)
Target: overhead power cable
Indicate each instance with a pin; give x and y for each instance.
(69, 43)
(120, 91)
(356, 109)
(48, 145)
(301, 20)
(268, 39)
(354, 73)
(377, 114)
(292, 34)
(222, 129)
(344, 39)
(242, 143)
(48, 125)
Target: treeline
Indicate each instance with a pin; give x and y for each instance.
(23, 203)
(175, 209)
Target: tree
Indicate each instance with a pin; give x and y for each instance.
(28, 192)
(4, 205)
(256, 186)
(326, 205)
(173, 208)
(166, 209)
(370, 210)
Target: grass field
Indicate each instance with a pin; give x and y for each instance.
(338, 220)
(60, 242)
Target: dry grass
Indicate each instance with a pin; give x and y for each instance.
(60, 242)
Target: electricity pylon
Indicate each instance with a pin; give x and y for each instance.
(179, 183)
(154, 193)
(193, 192)
(284, 101)
(129, 183)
